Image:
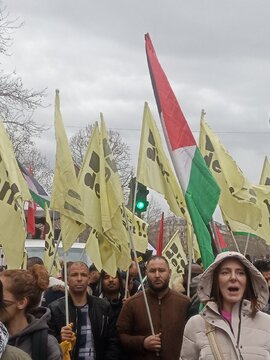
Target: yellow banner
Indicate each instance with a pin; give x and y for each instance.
(103, 201)
(263, 230)
(13, 192)
(154, 169)
(175, 255)
(66, 197)
(238, 200)
(89, 182)
(139, 231)
(265, 175)
(102, 253)
(52, 263)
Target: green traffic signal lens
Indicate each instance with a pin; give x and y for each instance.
(140, 205)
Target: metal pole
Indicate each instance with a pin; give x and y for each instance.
(214, 232)
(126, 285)
(138, 267)
(55, 252)
(66, 288)
(247, 242)
(190, 256)
(237, 247)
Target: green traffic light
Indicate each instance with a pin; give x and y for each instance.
(140, 205)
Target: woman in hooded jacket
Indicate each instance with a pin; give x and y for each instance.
(22, 290)
(231, 325)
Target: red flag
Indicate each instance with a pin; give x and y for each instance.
(160, 236)
(222, 242)
(31, 229)
(31, 218)
(198, 184)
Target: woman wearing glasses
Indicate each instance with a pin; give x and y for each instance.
(231, 325)
(8, 352)
(23, 318)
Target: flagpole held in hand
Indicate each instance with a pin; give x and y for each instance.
(55, 253)
(138, 267)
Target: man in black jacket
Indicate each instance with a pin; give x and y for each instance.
(91, 319)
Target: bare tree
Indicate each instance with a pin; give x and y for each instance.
(120, 150)
(17, 106)
(153, 212)
(41, 169)
(171, 224)
(17, 103)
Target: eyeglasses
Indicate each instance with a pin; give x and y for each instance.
(8, 303)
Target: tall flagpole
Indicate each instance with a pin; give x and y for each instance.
(138, 267)
(247, 242)
(190, 256)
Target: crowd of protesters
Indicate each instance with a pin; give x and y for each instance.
(224, 316)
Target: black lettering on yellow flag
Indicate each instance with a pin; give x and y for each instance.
(90, 178)
(66, 196)
(154, 169)
(175, 255)
(13, 192)
(237, 199)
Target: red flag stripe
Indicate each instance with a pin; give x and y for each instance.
(160, 236)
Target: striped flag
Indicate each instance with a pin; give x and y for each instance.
(37, 192)
(198, 185)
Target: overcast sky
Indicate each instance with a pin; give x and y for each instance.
(215, 54)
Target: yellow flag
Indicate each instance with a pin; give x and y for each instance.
(139, 230)
(103, 201)
(89, 182)
(263, 230)
(111, 195)
(238, 200)
(263, 194)
(13, 173)
(111, 201)
(102, 253)
(154, 169)
(265, 175)
(68, 345)
(66, 197)
(49, 250)
(175, 255)
(13, 192)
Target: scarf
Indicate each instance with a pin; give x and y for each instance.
(3, 338)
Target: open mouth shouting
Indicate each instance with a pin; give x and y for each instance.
(232, 283)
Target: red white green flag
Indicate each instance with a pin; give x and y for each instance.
(198, 185)
(37, 192)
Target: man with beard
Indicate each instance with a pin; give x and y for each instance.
(111, 288)
(264, 267)
(168, 310)
(90, 318)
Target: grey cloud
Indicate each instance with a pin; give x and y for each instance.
(215, 54)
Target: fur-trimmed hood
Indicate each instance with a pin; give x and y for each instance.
(259, 284)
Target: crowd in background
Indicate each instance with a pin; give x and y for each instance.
(110, 317)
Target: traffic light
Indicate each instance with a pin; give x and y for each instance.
(141, 198)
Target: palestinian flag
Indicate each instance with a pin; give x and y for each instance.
(198, 185)
(37, 192)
